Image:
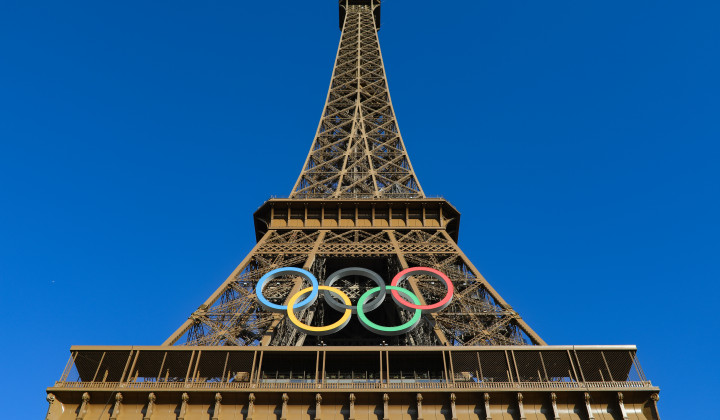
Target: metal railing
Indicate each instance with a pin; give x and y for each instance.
(352, 386)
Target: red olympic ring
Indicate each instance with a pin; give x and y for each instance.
(435, 307)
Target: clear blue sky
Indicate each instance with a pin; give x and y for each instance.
(578, 139)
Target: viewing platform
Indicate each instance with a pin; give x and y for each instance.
(491, 379)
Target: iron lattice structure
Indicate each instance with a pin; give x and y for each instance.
(358, 151)
(357, 202)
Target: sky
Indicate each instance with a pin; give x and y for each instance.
(579, 140)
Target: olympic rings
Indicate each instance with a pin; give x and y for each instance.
(355, 271)
(328, 329)
(382, 330)
(277, 273)
(435, 307)
(378, 295)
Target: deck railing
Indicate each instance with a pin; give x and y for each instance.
(350, 386)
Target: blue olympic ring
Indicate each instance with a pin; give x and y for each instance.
(277, 273)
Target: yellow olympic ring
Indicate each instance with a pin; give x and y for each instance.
(327, 329)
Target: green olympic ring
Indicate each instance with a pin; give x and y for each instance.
(383, 330)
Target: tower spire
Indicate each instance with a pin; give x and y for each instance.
(358, 151)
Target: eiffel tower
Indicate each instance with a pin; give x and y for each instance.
(356, 217)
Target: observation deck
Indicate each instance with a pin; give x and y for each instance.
(496, 382)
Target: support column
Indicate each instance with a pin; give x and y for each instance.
(491, 291)
(622, 406)
(150, 406)
(251, 406)
(453, 410)
(419, 406)
(53, 409)
(284, 410)
(588, 407)
(117, 407)
(386, 409)
(318, 402)
(183, 407)
(521, 408)
(82, 412)
(486, 397)
(553, 400)
(216, 410)
(216, 295)
(351, 416)
(655, 398)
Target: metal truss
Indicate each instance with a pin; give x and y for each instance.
(358, 151)
(233, 316)
(357, 201)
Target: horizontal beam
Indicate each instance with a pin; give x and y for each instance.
(355, 349)
(433, 213)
